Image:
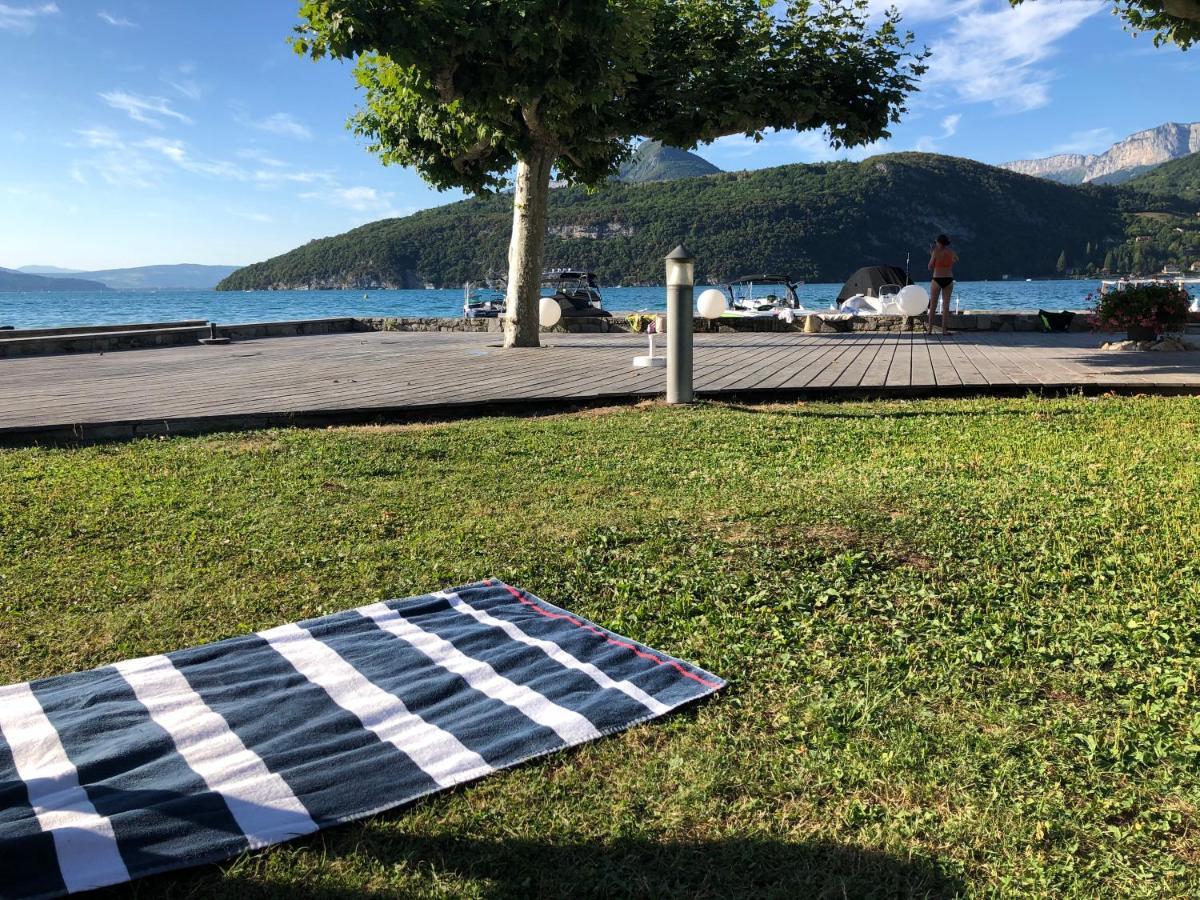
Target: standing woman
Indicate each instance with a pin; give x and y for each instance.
(941, 264)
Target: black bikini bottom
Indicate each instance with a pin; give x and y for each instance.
(943, 280)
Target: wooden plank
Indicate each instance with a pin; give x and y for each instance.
(876, 373)
(964, 366)
(852, 375)
(944, 372)
(922, 364)
(854, 347)
(900, 371)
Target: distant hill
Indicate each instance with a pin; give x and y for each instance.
(1126, 159)
(1178, 178)
(46, 270)
(818, 222)
(652, 161)
(185, 276)
(12, 280)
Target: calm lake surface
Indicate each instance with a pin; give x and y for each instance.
(47, 310)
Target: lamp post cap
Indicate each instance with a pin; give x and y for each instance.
(681, 254)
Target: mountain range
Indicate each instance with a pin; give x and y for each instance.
(13, 280)
(183, 276)
(818, 222)
(1124, 160)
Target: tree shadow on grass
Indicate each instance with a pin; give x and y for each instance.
(639, 868)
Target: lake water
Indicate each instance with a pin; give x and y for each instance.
(47, 310)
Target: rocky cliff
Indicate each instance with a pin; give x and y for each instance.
(1125, 159)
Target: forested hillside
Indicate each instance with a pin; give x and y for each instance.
(818, 222)
(1178, 178)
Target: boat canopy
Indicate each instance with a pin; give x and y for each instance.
(555, 276)
(742, 294)
(869, 279)
(764, 279)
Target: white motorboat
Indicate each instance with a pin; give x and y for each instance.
(763, 297)
(1191, 285)
(576, 292)
(484, 301)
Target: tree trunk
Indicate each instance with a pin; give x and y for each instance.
(525, 250)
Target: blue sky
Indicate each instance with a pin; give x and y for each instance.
(158, 131)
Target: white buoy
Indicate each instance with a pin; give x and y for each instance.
(912, 300)
(711, 304)
(549, 312)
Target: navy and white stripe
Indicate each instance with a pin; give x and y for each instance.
(198, 755)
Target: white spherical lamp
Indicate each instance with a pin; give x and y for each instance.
(711, 304)
(912, 300)
(549, 312)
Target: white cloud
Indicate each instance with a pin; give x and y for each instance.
(118, 167)
(258, 156)
(171, 149)
(262, 218)
(814, 146)
(188, 88)
(143, 109)
(359, 199)
(102, 137)
(1000, 55)
(176, 151)
(23, 19)
(284, 125)
(929, 144)
(115, 21)
(181, 81)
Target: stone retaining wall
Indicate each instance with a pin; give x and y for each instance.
(127, 337)
(832, 323)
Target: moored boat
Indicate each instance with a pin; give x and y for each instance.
(872, 290)
(763, 297)
(576, 292)
(484, 301)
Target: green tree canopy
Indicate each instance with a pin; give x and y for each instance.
(465, 92)
(1172, 21)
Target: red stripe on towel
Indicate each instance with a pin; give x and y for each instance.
(578, 624)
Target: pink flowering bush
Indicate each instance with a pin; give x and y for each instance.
(1160, 307)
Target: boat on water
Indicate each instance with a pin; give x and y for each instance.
(484, 301)
(1191, 285)
(576, 292)
(872, 290)
(763, 297)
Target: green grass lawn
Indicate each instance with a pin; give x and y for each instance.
(961, 637)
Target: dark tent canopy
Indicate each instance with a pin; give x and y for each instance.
(869, 279)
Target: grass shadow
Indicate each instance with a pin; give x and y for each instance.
(634, 867)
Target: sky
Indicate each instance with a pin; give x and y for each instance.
(141, 132)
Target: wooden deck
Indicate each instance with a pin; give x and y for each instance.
(378, 375)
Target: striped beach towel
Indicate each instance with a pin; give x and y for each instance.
(198, 755)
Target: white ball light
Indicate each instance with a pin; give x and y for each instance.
(912, 300)
(711, 304)
(549, 312)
